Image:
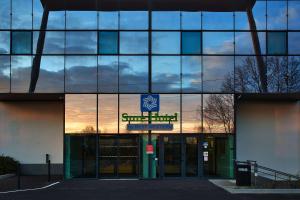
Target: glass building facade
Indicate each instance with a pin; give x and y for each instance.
(102, 60)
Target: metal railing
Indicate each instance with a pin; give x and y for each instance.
(262, 176)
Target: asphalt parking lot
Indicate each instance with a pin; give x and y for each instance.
(137, 190)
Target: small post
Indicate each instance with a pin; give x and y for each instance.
(19, 175)
(48, 162)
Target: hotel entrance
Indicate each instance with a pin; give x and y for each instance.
(180, 156)
(118, 156)
(107, 136)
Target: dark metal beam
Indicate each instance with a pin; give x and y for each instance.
(155, 5)
(35, 71)
(259, 58)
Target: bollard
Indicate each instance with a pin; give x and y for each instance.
(48, 162)
(19, 175)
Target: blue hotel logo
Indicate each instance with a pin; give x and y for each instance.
(149, 103)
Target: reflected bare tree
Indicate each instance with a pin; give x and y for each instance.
(219, 109)
(283, 76)
(88, 129)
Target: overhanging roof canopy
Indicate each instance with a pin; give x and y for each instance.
(156, 5)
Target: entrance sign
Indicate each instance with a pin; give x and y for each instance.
(149, 103)
(151, 118)
(149, 149)
(147, 122)
(147, 127)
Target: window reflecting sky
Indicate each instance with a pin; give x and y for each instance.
(176, 36)
(80, 113)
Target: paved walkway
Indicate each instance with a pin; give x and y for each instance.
(138, 190)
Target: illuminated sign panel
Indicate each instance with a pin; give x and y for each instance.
(147, 127)
(149, 103)
(150, 106)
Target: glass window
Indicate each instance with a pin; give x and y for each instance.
(263, 42)
(37, 14)
(244, 43)
(170, 104)
(5, 10)
(21, 42)
(294, 47)
(241, 21)
(4, 74)
(278, 74)
(108, 20)
(218, 113)
(108, 113)
(133, 75)
(54, 42)
(276, 43)
(84, 20)
(217, 20)
(4, 42)
(56, 20)
(134, 20)
(293, 15)
(51, 77)
(108, 42)
(216, 70)
(246, 75)
(130, 104)
(20, 73)
(192, 113)
(108, 74)
(277, 15)
(218, 43)
(294, 74)
(133, 42)
(166, 20)
(191, 42)
(80, 113)
(259, 14)
(191, 74)
(21, 14)
(81, 42)
(191, 20)
(166, 42)
(165, 74)
(81, 74)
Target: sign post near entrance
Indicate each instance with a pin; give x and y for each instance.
(149, 103)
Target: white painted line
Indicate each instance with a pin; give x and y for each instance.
(34, 189)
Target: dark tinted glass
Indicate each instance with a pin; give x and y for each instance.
(21, 42)
(108, 42)
(276, 43)
(191, 42)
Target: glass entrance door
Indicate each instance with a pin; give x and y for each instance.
(191, 156)
(118, 156)
(219, 156)
(80, 156)
(180, 156)
(172, 156)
